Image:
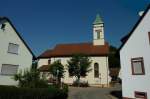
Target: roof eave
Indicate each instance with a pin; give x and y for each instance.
(135, 26)
(5, 18)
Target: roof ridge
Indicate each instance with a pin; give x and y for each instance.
(74, 43)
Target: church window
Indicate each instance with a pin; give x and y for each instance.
(49, 61)
(96, 70)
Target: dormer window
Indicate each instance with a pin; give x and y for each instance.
(3, 26)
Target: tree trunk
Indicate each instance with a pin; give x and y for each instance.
(78, 80)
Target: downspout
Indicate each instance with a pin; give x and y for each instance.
(107, 69)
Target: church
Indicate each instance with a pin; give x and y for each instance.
(97, 51)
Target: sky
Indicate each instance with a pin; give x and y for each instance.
(45, 23)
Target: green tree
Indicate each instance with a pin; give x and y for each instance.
(114, 59)
(30, 78)
(114, 62)
(79, 65)
(57, 70)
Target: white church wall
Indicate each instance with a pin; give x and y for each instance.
(103, 69)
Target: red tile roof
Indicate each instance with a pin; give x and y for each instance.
(66, 50)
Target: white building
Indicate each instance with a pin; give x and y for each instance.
(14, 52)
(135, 60)
(97, 50)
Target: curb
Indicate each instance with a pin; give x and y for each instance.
(111, 97)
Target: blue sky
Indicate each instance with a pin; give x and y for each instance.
(45, 23)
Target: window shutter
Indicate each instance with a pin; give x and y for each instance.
(8, 69)
(13, 48)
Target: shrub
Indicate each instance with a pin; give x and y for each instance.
(80, 84)
(117, 94)
(30, 78)
(65, 88)
(11, 92)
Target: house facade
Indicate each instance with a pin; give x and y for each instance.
(15, 55)
(97, 51)
(135, 63)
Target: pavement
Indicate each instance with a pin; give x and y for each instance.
(91, 93)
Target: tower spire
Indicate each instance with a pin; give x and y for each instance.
(98, 31)
(98, 20)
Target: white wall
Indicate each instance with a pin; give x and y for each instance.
(23, 59)
(103, 68)
(100, 41)
(138, 45)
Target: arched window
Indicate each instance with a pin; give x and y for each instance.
(96, 70)
(49, 61)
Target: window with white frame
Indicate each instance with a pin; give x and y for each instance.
(137, 66)
(13, 48)
(8, 69)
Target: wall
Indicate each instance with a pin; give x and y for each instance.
(138, 45)
(103, 68)
(23, 59)
(100, 41)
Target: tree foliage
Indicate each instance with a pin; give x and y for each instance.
(79, 65)
(114, 59)
(57, 70)
(30, 78)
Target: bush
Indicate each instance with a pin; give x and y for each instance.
(65, 88)
(117, 94)
(81, 84)
(11, 92)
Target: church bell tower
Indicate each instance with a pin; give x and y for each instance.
(98, 31)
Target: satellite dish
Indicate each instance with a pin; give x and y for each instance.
(141, 13)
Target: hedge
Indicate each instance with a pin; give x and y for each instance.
(11, 92)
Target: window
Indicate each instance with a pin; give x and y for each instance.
(3, 26)
(49, 61)
(140, 95)
(98, 33)
(149, 36)
(96, 70)
(8, 69)
(13, 48)
(137, 66)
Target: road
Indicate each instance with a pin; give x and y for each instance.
(90, 93)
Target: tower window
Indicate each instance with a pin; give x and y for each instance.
(98, 33)
(96, 70)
